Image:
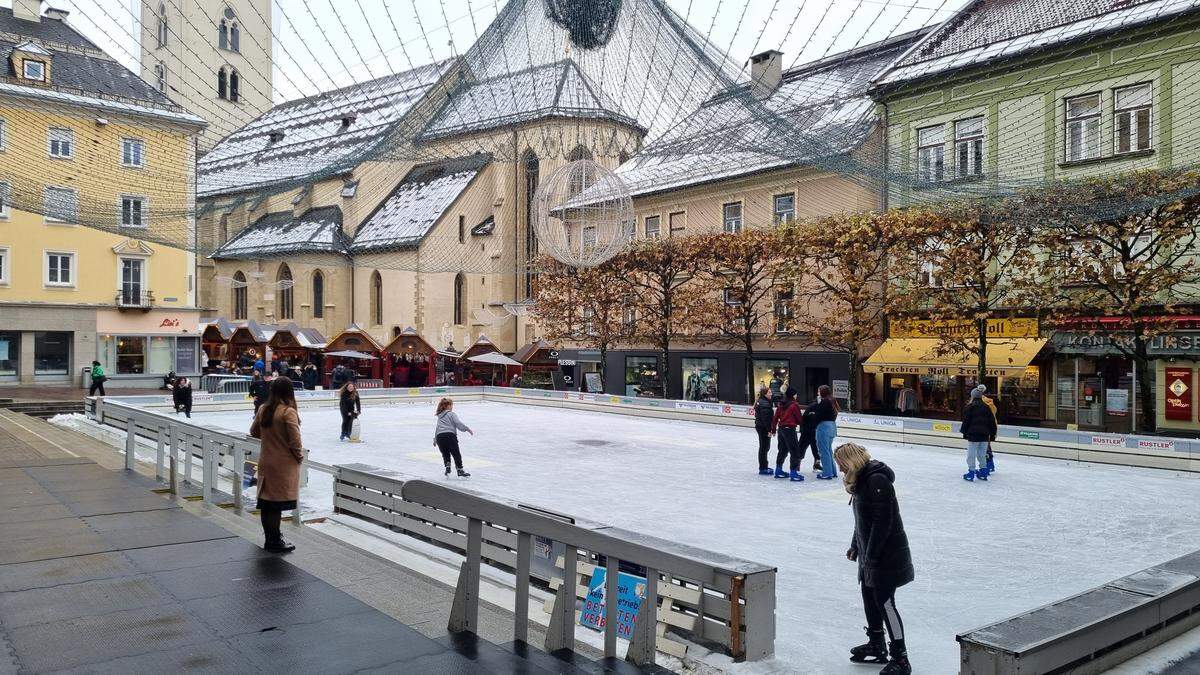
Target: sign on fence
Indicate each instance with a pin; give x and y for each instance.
(631, 590)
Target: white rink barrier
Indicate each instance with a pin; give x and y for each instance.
(1160, 452)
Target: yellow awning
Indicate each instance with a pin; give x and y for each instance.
(928, 356)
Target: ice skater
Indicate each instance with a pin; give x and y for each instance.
(259, 391)
(826, 411)
(880, 547)
(991, 404)
(808, 436)
(764, 414)
(350, 406)
(787, 418)
(181, 396)
(979, 428)
(445, 436)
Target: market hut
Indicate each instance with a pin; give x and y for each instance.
(539, 363)
(482, 345)
(249, 340)
(214, 340)
(409, 361)
(355, 349)
(298, 346)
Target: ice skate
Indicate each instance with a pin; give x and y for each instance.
(797, 477)
(982, 474)
(874, 651)
(766, 472)
(898, 664)
(463, 474)
(447, 469)
(969, 475)
(991, 465)
(780, 473)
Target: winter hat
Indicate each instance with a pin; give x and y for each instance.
(977, 392)
(789, 393)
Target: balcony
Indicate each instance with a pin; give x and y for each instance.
(127, 299)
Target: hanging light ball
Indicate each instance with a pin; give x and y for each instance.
(584, 214)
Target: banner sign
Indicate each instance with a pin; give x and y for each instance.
(1032, 435)
(1155, 444)
(1111, 441)
(631, 590)
(996, 328)
(1116, 402)
(944, 427)
(1179, 383)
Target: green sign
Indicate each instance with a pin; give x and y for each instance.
(1029, 434)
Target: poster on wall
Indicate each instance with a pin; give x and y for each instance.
(1116, 402)
(592, 381)
(1179, 383)
(631, 590)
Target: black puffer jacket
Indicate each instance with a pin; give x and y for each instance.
(884, 559)
(978, 422)
(764, 412)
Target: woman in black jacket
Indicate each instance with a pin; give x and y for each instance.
(350, 406)
(880, 547)
(258, 391)
(181, 395)
(979, 429)
(764, 412)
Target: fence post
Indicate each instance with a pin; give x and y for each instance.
(130, 441)
(174, 463)
(186, 442)
(611, 606)
(464, 613)
(296, 518)
(758, 616)
(239, 471)
(561, 632)
(644, 641)
(521, 608)
(159, 454)
(206, 468)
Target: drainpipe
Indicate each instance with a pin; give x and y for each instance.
(886, 150)
(516, 237)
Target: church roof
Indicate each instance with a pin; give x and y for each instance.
(314, 231)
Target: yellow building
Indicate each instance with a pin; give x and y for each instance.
(96, 182)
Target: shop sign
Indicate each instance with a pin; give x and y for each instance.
(944, 427)
(1175, 343)
(1179, 383)
(630, 592)
(841, 389)
(1031, 435)
(888, 423)
(1116, 402)
(414, 392)
(1110, 441)
(851, 419)
(1153, 444)
(949, 371)
(687, 405)
(996, 328)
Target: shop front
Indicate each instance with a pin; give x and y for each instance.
(139, 349)
(249, 344)
(298, 346)
(724, 376)
(540, 367)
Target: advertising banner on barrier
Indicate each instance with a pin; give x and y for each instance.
(631, 590)
(1179, 383)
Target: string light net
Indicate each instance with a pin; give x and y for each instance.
(584, 214)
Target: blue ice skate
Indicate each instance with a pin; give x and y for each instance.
(797, 477)
(991, 466)
(766, 472)
(982, 474)
(780, 473)
(969, 475)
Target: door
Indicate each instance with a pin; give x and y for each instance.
(131, 281)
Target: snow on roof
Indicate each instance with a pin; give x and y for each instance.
(407, 215)
(553, 90)
(648, 66)
(992, 29)
(314, 137)
(31, 47)
(315, 231)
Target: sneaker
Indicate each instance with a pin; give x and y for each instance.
(969, 475)
(797, 477)
(766, 472)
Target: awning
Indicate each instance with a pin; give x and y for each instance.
(494, 358)
(927, 356)
(350, 354)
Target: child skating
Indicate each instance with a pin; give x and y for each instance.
(445, 436)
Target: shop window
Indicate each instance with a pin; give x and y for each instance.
(700, 379)
(814, 378)
(968, 147)
(1082, 127)
(731, 216)
(772, 374)
(641, 376)
(162, 354)
(931, 153)
(10, 353)
(51, 352)
(1131, 113)
(1021, 395)
(130, 355)
(187, 351)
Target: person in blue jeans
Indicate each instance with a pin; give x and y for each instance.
(826, 409)
(979, 429)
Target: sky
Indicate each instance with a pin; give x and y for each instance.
(325, 44)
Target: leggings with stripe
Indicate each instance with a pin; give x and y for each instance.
(880, 605)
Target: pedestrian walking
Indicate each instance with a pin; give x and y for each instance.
(979, 428)
(310, 376)
(787, 418)
(350, 406)
(258, 390)
(181, 396)
(277, 425)
(880, 547)
(445, 435)
(764, 415)
(98, 378)
(339, 376)
(826, 412)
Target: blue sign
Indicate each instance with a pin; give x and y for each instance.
(631, 590)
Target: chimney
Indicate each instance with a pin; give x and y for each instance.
(766, 72)
(56, 14)
(27, 10)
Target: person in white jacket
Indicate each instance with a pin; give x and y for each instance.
(445, 435)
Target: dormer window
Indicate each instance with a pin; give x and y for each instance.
(34, 70)
(347, 120)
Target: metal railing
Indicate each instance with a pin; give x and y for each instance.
(212, 382)
(368, 383)
(135, 299)
(232, 386)
(705, 596)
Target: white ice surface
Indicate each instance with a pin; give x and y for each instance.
(1039, 531)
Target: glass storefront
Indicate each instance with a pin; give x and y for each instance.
(51, 352)
(700, 379)
(641, 376)
(10, 353)
(186, 351)
(771, 373)
(1095, 393)
(1021, 395)
(148, 355)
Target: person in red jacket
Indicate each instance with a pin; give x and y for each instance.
(788, 416)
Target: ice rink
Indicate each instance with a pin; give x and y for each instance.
(1038, 531)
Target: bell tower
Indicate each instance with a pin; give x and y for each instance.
(213, 57)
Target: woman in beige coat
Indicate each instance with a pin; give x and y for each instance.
(277, 424)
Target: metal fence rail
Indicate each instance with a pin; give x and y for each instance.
(212, 382)
(705, 596)
(229, 386)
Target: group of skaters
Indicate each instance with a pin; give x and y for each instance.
(797, 429)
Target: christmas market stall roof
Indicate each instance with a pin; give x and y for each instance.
(820, 110)
(253, 332)
(305, 338)
(526, 353)
(407, 215)
(318, 137)
(314, 231)
(987, 30)
(535, 61)
(219, 329)
(353, 338)
(482, 345)
(409, 341)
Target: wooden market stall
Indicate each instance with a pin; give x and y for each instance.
(468, 373)
(353, 340)
(539, 363)
(409, 361)
(296, 345)
(214, 340)
(249, 343)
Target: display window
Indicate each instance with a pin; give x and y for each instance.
(1021, 396)
(10, 353)
(641, 376)
(51, 352)
(773, 374)
(700, 379)
(143, 355)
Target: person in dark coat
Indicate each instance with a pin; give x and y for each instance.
(764, 414)
(979, 428)
(310, 376)
(181, 395)
(808, 436)
(259, 391)
(880, 547)
(787, 418)
(350, 406)
(339, 376)
(277, 425)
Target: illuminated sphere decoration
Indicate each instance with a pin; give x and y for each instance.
(584, 214)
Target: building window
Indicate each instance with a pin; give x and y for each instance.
(160, 77)
(62, 142)
(1131, 110)
(133, 281)
(699, 377)
(5, 199)
(927, 275)
(34, 70)
(628, 314)
(532, 175)
(234, 85)
(239, 296)
(318, 295)
(462, 229)
(162, 25)
(931, 153)
(1083, 127)
(731, 215)
(3, 134)
(235, 34)
(10, 352)
(222, 84)
(783, 309)
(677, 221)
(4, 266)
(133, 152)
(60, 269)
(133, 211)
(968, 147)
(653, 226)
(60, 204)
(283, 281)
(460, 299)
(785, 208)
(223, 35)
(376, 299)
